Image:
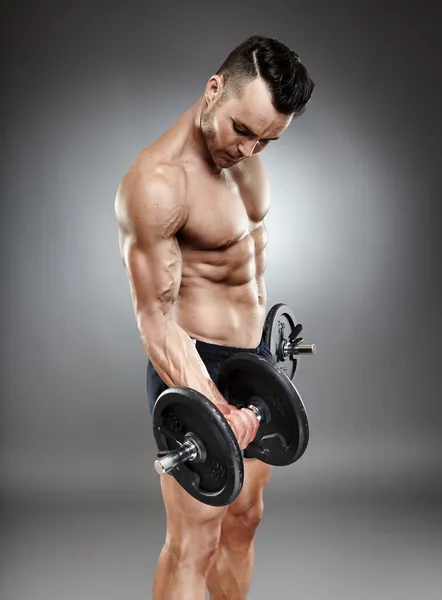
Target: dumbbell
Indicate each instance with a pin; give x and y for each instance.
(197, 446)
(281, 334)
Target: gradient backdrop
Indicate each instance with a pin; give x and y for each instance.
(355, 248)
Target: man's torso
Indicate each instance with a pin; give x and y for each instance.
(222, 297)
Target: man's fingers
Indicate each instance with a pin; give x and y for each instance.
(244, 424)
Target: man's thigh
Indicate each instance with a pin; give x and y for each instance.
(177, 500)
(256, 477)
(183, 512)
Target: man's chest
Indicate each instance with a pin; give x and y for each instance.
(222, 211)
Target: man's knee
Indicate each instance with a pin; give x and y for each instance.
(195, 547)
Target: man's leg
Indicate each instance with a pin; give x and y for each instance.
(192, 538)
(231, 574)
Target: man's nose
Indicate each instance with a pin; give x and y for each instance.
(247, 148)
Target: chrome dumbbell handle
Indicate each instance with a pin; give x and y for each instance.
(256, 410)
(290, 349)
(186, 452)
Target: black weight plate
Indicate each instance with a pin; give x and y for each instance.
(280, 323)
(218, 480)
(283, 435)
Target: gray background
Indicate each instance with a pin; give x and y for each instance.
(354, 249)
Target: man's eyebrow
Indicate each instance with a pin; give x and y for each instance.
(243, 126)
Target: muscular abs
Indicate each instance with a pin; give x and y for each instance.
(222, 294)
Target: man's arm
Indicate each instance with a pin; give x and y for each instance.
(150, 211)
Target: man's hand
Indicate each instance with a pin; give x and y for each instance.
(244, 424)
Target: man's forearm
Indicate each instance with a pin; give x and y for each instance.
(175, 358)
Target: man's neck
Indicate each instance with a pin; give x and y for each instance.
(198, 141)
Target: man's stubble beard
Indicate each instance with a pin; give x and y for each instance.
(208, 129)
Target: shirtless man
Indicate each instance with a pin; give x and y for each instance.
(190, 213)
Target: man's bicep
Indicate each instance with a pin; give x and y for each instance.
(150, 213)
(154, 273)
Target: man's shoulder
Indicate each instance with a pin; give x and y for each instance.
(252, 175)
(252, 169)
(152, 177)
(151, 189)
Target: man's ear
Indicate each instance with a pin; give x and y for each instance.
(214, 89)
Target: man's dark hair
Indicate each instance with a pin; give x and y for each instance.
(289, 83)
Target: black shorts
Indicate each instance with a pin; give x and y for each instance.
(212, 355)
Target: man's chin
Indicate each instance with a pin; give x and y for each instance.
(224, 160)
(221, 162)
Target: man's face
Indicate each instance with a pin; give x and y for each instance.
(241, 125)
